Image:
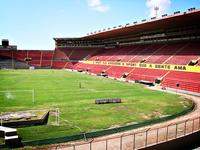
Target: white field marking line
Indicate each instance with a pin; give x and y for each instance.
(71, 124)
(16, 91)
(32, 73)
(15, 73)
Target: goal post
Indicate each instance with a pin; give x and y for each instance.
(7, 96)
(55, 115)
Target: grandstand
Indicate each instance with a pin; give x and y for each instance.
(167, 49)
(163, 52)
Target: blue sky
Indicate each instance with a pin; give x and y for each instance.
(32, 24)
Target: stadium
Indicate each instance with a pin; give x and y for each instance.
(133, 86)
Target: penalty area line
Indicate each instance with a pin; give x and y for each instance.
(73, 125)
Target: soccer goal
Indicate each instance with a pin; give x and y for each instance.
(55, 116)
(17, 97)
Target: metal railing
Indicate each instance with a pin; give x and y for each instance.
(140, 139)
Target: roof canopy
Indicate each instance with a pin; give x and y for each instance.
(174, 21)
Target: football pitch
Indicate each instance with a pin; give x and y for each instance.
(75, 94)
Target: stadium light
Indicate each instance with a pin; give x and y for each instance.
(191, 9)
(156, 8)
(165, 15)
(153, 18)
(177, 12)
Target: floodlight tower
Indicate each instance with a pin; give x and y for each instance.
(156, 8)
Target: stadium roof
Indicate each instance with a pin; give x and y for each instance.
(172, 21)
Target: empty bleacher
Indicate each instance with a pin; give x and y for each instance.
(171, 53)
(60, 54)
(74, 54)
(8, 63)
(6, 53)
(118, 72)
(20, 55)
(188, 53)
(47, 57)
(164, 53)
(144, 74)
(35, 58)
(188, 81)
(98, 69)
(80, 54)
(58, 65)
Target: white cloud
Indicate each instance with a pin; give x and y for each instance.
(98, 6)
(163, 5)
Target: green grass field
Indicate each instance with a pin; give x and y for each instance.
(60, 89)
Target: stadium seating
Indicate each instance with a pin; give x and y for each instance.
(80, 66)
(6, 63)
(121, 53)
(74, 54)
(175, 53)
(133, 53)
(6, 53)
(118, 72)
(163, 54)
(105, 55)
(146, 74)
(97, 69)
(60, 54)
(183, 80)
(58, 65)
(35, 57)
(47, 57)
(190, 52)
(80, 54)
(20, 55)
(144, 53)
